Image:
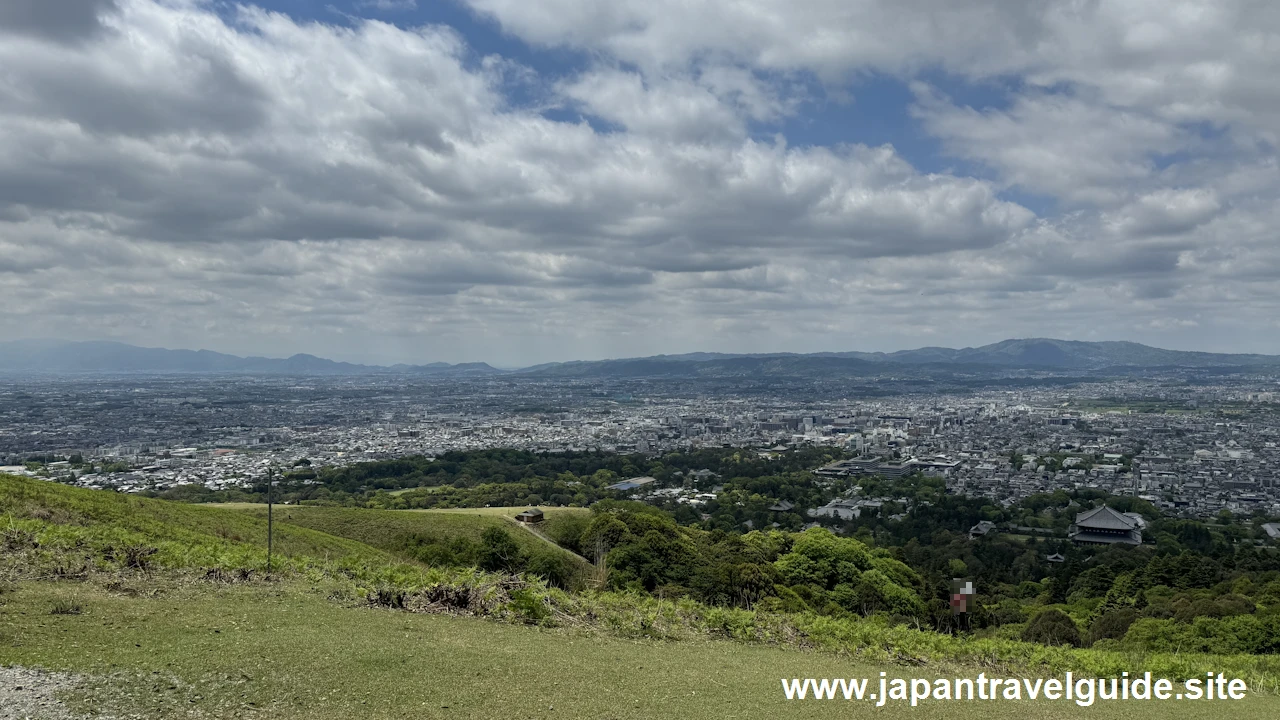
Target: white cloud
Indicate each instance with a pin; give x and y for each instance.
(268, 185)
(1064, 146)
(1103, 96)
(1165, 212)
(373, 193)
(830, 37)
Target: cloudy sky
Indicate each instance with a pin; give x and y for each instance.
(517, 182)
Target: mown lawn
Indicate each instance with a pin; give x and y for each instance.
(383, 529)
(287, 652)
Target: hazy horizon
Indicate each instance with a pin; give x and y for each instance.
(518, 183)
(505, 366)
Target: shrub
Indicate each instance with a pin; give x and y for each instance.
(137, 556)
(567, 529)
(1052, 627)
(558, 569)
(1112, 625)
(66, 607)
(499, 553)
(387, 596)
(529, 605)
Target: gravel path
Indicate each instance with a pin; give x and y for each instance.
(30, 694)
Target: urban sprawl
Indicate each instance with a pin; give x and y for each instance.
(1191, 449)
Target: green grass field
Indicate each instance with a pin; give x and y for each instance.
(113, 518)
(382, 528)
(170, 637)
(285, 652)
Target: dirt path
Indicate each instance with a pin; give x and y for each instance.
(32, 694)
(547, 540)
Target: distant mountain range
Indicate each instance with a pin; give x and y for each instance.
(1030, 354)
(1044, 352)
(47, 356)
(52, 356)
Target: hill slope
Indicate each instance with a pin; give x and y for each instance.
(184, 535)
(397, 531)
(318, 641)
(288, 654)
(104, 524)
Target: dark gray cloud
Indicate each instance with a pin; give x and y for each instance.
(201, 92)
(61, 20)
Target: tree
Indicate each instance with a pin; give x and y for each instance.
(1122, 595)
(499, 551)
(556, 567)
(1061, 581)
(820, 558)
(1052, 627)
(875, 592)
(1112, 625)
(746, 583)
(605, 529)
(1094, 582)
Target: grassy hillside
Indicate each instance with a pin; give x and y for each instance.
(446, 538)
(387, 529)
(285, 653)
(348, 627)
(61, 518)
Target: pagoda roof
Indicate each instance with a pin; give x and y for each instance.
(1105, 518)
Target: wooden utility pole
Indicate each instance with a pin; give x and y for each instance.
(270, 527)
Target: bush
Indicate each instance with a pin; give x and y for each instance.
(137, 556)
(66, 607)
(529, 605)
(1112, 625)
(558, 569)
(1052, 627)
(499, 552)
(1008, 612)
(567, 529)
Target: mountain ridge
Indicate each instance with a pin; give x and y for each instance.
(70, 357)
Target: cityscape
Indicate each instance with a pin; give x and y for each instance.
(1193, 449)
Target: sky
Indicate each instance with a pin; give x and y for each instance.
(520, 182)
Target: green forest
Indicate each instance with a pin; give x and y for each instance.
(1192, 586)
